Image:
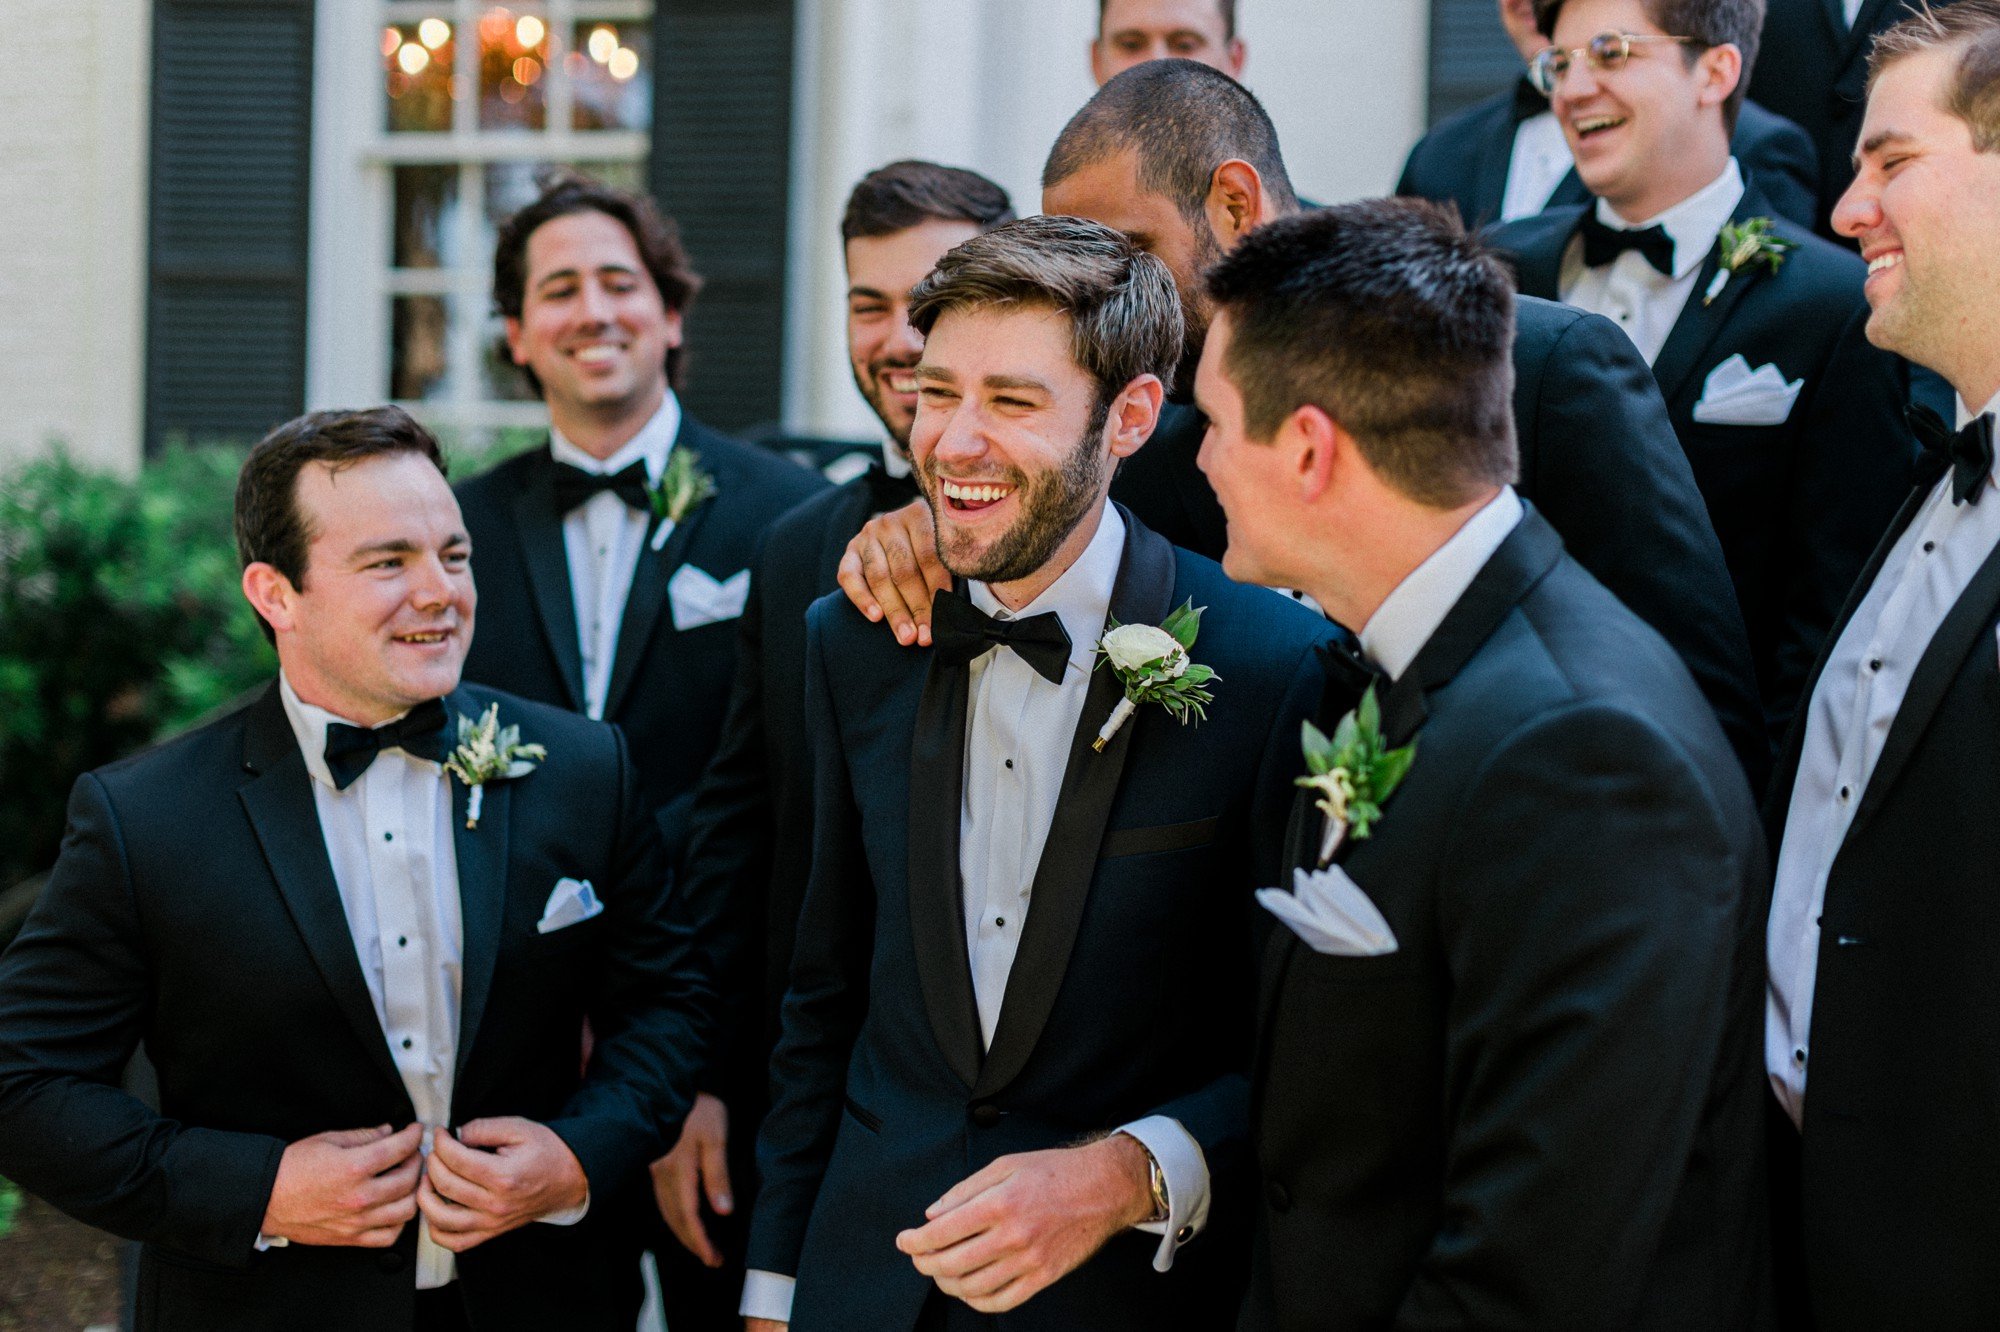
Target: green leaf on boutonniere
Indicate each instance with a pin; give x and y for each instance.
(1355, 771)
(489, 752)
(1743, 245)
(1153, 665)
(682, 486)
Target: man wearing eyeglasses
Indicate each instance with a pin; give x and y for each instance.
(1504, 157)
(1792, 423)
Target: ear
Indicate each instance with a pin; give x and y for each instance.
(514, 348)
(1320, 451)
(1236, 55)
(271, 595)
(1722, 70)
(1098, 71)
(674, 326)
(1134, 413)
(1235, 201)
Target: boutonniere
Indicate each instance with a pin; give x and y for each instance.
(1354, 772)
(488, 752)
(1745, 245)
(1152, 663)
(682, 486)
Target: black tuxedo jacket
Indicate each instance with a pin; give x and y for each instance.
(1813, 69)
(1900, 1165)
(1131, 992)
(194, 909)
(668, 686)
(1797, 506)
(1544, 1109)
(1466, 156)
(1599, 458)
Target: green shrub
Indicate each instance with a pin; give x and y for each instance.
(120, 622)
(10, 1203)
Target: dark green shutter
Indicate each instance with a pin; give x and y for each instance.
(722, 128)
(1471, 56)
(231, 168)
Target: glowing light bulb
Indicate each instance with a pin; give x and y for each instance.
(433, 33)
(624, 63)
(603, 43)
(413, 58)
(526, 70)
(391, 39)
(530, 31)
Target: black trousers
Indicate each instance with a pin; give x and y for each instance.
(941, 1313)
(441, 1310)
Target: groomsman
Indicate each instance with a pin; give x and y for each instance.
(1014, 1036)
(1881, 1038)
(1507, 1039)
(361, 981)
(614, 560)
(1752, 325)
(752, 841)
(1186, 162)
(1131, 32)
(1505, 157)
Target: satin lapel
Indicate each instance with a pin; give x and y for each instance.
(1964, 627)
(937, 922)
(1538, 264)
(1699, 325)
(645, 601)
(1835, 14)
(279, 801)
(482, 887)
(1569, 191)
(840, 529)
(1489, 180)
(541, 534)
(1143, 594)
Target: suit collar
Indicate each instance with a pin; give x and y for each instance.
(1412, 611)
(1703, 320)
(539, 529)
(650, 446)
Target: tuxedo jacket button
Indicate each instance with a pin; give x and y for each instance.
(1277, 1195)
(985, 1116)
(391, 1262)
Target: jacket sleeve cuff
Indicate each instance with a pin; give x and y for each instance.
(1185, 1171)
(767, 1295)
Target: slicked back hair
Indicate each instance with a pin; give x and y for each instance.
(1226, 8)
(1124, 312)
(1708, 23)
(566, 191)
(1973, 28)
(909, 193)
(1391, 319)
(1182, 120)
(270, 527)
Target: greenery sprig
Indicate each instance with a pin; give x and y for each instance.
(1354, 772)
(1745, 245)
(682, 486)
(1153, 664)
(488, 752)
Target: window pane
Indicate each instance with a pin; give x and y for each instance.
(426, 216)
(610, 67)
(417, 63)
(418, 335)
(513, 63)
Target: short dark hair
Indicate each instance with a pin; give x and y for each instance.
(270, 528)
(1227, 8)
(1706, 23)
(909, 193)
(566, 191)
(1971, 26)
(1182, 120)
(1395, 322)
(1124, 312)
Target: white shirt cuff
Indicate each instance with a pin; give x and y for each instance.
(272, 1242)
(569, 1216)
(767, 1295)
(1185, 1170)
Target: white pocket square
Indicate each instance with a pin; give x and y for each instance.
(1329, 911)
(700, 598)
(573, 902)
(1734, 394)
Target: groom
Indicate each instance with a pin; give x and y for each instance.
(1014, 1036)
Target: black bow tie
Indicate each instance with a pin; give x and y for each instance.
(1602, 243)
(1967, 454)
(573, 486)
(1348, 675)
(350, 749)
(961, 631)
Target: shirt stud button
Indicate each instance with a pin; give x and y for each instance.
(402, 941)
(1875, 663)
(407, 1042)
(388, 837)
(1845, 791)
(1798, 1056)
(1001, 921)
(1929, 546)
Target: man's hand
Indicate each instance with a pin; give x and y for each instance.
(764, 1325)
(354, 1187)
(698, 1164)
(1026, 1221)
(892, 569)
(469, 1195)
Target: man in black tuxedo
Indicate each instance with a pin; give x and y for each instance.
(1014, 1035)
(1505, 1067)
(1880, 1037)
(360, 980)
(1792, 422)
(752, 840)
(1597, 451)
(613, 574)
(1505, 157)
(1814, 71)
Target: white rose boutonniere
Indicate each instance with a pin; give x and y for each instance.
(1152, 662)
(487, 752)
(1354, 772)
(683, 485)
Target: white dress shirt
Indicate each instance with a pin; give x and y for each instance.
(1850, 10)
(1410, 614)
(389, 840)
(604, 538)
(1629, 291)
(1018, 733)
(1848, 719)
(1539, 161)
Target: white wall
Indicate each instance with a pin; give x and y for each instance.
(988, 84)
(73, 124)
